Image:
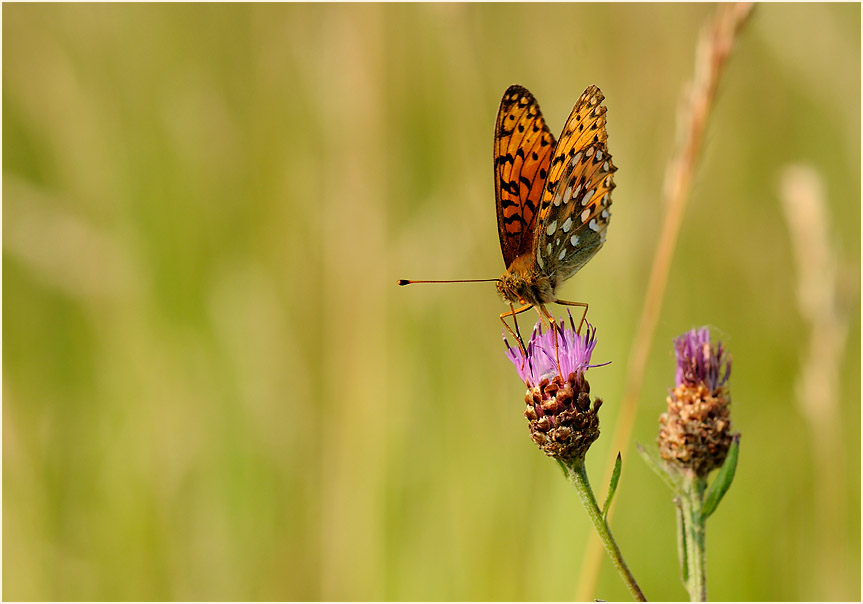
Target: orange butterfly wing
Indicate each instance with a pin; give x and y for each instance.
(585, 125)
(523, 148)
(574, 212)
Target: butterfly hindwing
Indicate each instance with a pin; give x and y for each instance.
(523, 147)
(578, 215)
(574, 211)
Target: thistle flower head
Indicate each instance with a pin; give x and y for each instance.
(561, 419)
(695, 432)
(541, 362)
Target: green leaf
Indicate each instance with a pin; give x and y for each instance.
(723, 480)
(563, 468)
(612, 486)
(658, 466)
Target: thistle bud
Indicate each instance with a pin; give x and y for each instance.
(695, 432)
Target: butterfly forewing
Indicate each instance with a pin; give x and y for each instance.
(585, 125)
(575, 207)
(523, 147)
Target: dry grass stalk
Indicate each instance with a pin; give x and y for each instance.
(818, 393)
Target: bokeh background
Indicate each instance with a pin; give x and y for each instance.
(213, 388)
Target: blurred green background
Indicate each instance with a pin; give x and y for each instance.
(213, 388)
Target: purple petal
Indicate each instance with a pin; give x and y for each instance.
(698, 362)
(573, 350)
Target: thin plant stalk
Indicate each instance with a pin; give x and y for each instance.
(577, 475)
(711, 56)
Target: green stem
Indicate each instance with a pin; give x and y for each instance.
(681, 544)
(578, 477)
(693, 551)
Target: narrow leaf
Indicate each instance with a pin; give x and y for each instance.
(612, 486)
(658, 466)
(563, 468)
(723, 480)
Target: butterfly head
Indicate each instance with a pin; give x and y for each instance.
(523, 284)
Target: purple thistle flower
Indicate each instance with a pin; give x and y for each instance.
(698, 363)
(541, 362)
(562, 421)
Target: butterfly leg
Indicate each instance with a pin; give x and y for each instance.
(552, 324)
(583, 314)
(515, 334)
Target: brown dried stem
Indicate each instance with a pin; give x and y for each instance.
(712, 53)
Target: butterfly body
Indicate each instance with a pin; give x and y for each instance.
(552, 197)
(523, 284)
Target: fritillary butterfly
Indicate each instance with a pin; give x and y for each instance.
(553, 199)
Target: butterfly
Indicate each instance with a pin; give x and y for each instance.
(552, 198)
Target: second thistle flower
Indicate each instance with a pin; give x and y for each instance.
(563, 422)
(695, 432)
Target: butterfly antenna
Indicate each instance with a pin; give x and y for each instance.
(410, 282)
